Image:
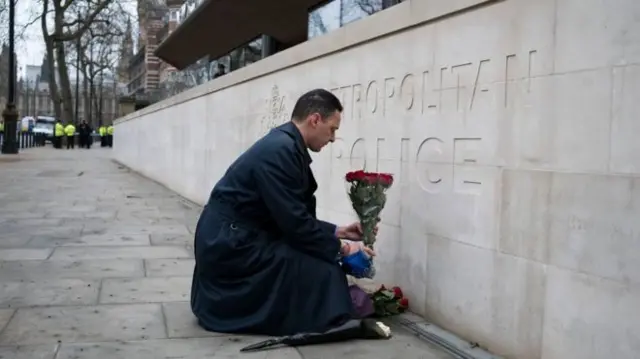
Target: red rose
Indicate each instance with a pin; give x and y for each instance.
(355, 176)
(370, 178)
(404, 303)
(386, 179)
(397, 292)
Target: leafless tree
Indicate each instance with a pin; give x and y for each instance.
(94, 56)
(71, 20)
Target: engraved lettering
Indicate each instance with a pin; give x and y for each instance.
(430, 181)
(335, 91)
(441, 88)
(465, 151)
(423, 90)
(407, 91)
(475, 84)
(356, 99)
(373, 86)
(507, 78)
(530, 69)
(405, 157)
(343, 92)
(456, 71)
(389, 92)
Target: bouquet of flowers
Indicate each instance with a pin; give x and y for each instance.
(367, 192)
(388, 302)
(368, 196)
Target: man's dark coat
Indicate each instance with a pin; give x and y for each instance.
(264, 263)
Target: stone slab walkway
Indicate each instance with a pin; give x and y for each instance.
(96, 262)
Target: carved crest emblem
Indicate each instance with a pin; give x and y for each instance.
(276, 111)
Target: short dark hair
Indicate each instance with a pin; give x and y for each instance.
(319, 100)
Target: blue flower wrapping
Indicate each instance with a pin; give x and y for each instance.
(358, 265)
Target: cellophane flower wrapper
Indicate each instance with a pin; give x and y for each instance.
(367, 192)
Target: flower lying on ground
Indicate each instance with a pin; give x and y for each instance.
(388, 302)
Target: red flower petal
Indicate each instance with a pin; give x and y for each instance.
(404, 302)
(397, 292)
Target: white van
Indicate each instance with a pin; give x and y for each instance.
(45, 126)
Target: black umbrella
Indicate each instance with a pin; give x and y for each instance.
(352, 329)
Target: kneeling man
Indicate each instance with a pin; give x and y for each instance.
(264, 263)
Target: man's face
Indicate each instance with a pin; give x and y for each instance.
(323, 131)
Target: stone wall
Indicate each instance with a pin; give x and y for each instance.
(511, 127)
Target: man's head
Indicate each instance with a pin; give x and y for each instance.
(317, 114)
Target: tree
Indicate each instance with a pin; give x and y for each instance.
(4, 21)
(71, 19)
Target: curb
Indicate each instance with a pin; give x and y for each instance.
(457, 347)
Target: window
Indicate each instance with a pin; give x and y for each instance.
(353, 10)
(337, 13)
(324, 18)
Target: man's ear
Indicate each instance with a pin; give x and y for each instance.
(314, 119)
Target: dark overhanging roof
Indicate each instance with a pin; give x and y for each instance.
(216, 27)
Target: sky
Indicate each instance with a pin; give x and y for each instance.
(30, 50)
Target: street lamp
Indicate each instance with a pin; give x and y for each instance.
(10, 115)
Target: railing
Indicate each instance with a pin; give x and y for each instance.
(27, 139)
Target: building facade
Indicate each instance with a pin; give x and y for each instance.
(144, 65)
(33, 99)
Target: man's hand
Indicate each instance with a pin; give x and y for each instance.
(349, 248)
(353, 232)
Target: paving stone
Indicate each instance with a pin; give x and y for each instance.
(14, 241)
(80, 269)
(72, 230)
(403, 345)
(107, 215)
(145, 290)
(181, 323)
(28, 352)
(5, 316)
(18, 254)
(14, 214)
(127, 252)
(158, 239)
(128, 228)
(75, 210)
(169, 267)
(48, 292)
(33, 222)
(110, 240)
(84, 324)
(195, 348)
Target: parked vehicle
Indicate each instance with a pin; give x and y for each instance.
(45, 125)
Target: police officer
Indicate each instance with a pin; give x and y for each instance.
(110, 135)
(70, 131)
(57, 135)
(103, 135)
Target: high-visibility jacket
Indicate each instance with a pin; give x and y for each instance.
(102, 130)
(70, 130)
(59, 131)
(110, 130)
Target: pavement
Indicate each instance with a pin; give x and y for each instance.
(96, 262)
